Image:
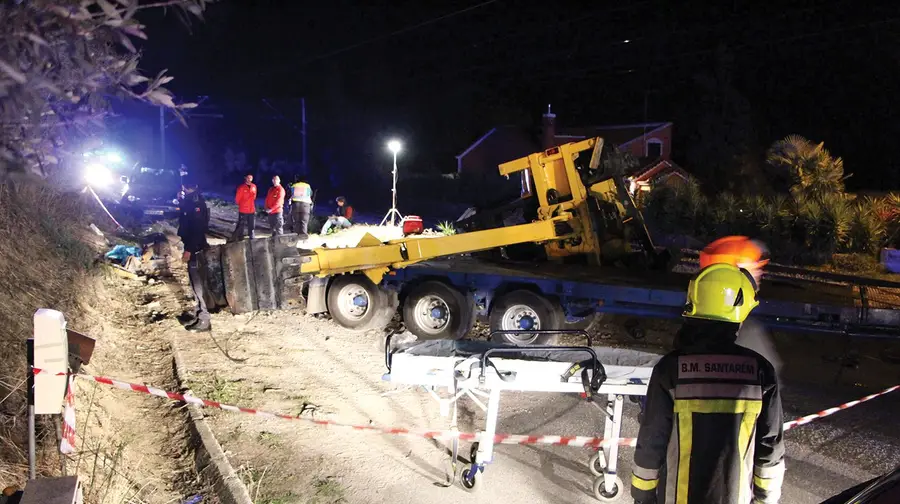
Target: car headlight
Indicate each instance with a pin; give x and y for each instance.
(132, 198)
(98, 175)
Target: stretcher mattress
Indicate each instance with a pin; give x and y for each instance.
(466, 348)
(453, 364)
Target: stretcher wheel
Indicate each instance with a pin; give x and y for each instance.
(356, 303)
(473, 452)
(617, 495)
(464, 475)
(597, 463)
(524, 310)
(435, 310)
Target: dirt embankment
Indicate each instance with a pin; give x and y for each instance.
(130, 448)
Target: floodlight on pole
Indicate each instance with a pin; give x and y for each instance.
(394, 146)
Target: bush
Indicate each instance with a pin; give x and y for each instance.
(866, 232)
(796, 229)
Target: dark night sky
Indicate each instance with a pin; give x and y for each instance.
(441, 77)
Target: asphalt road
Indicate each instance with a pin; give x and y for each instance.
(823, 458)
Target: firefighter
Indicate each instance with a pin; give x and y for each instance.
(193, 223)
(749, 255)
(712, 429)
(301, 206)
(245, 197)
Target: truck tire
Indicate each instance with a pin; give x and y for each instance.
(524, 310)
(359, 305)
(435, 310)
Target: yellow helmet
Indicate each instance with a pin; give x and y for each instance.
(721, 292)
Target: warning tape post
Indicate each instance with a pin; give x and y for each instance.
(512, 439)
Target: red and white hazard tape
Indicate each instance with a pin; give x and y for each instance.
(830, 411)
(67, 444)
(512, 439)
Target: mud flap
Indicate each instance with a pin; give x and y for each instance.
(315, 298)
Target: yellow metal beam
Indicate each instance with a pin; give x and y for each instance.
(375, 260)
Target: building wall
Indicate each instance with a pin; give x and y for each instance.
(478, 170)
(637, 146)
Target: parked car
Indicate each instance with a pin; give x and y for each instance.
(881, 490)
(153, 193)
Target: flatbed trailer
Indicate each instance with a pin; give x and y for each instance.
(584, 215)
(580, 292)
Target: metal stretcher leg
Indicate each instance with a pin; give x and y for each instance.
(608, 487)
(483, 450)
(486, 445)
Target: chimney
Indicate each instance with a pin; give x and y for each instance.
(548, 125)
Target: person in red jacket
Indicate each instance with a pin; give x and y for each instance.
(245, 197)
(275, 206)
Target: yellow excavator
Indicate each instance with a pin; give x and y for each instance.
(583, 211)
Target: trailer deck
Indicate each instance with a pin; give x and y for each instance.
(785, 303)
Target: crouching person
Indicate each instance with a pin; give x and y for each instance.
(343, 217)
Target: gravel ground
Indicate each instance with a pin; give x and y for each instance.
(291, 363)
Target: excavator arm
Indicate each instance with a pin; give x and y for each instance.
(375, 259)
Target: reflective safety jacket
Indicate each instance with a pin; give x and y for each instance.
(301, 192)
(712, 430)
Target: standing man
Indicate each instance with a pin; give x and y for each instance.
(712, 428)
(246, 201)
(193, 223)
(342, 217)
(301, 205)
(275, 206)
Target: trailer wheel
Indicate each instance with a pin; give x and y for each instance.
(524, 311)
(435, 310)
(356, 303)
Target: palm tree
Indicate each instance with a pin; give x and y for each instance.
(808, 169)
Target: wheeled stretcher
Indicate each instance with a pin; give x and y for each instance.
(480, 370)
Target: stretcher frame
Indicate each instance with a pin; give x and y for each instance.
(482, 377)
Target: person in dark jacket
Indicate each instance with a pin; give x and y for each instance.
(712, 428)
(193, 223)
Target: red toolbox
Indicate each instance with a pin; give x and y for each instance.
(412, 224)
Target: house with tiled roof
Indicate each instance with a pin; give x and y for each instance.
(650, 143)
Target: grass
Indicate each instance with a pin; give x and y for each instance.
(46, 261)
(269, 439)
(446, 228)
(327, 491)
(218, 389)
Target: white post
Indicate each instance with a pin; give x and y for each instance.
(394, 191)
(393, 213)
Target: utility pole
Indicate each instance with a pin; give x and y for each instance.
(162, 135)
(303, 132)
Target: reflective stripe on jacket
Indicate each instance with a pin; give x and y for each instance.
(712, 428)
(301, 192)
(245, 197)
